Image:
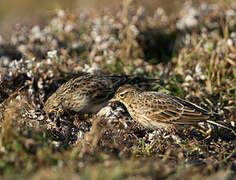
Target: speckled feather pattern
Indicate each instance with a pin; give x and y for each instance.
(86, 94)
(158, 110)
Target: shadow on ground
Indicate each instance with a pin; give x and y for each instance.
(158, 45)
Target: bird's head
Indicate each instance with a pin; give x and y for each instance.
(124, 94)
(52, 104)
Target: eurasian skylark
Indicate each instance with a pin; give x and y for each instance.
(87, 93)
(156, 110)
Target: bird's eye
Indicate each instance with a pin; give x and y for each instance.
(122, 95)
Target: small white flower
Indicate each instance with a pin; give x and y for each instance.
(230, 42)
(52, 54)
(188, 78)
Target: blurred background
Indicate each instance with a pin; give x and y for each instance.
(31, 11)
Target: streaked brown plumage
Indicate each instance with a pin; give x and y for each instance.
(86, 94)
(156, 110)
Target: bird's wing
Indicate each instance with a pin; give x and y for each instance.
(92, 88)
(169, 109)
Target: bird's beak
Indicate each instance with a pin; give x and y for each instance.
(114, 99)
(53, 110)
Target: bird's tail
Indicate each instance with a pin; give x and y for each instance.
(218, 120)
